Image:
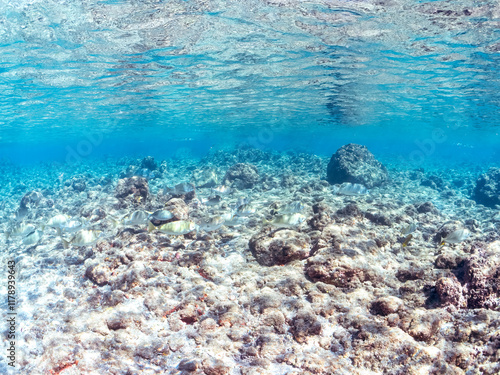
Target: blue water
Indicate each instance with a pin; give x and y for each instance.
(152, 78)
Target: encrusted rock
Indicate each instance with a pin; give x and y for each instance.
(343, 273)
(304, 324)
(426, 207)
(279, 247)
(178, 208)
(242, 176)
(354, 163)
(450, 292)
(386, 305)
(149, 163)
(487, 189)
(99, 273)
(137, 187)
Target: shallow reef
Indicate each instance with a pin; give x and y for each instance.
(348, 286)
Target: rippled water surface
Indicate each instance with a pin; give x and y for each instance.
(146, 76)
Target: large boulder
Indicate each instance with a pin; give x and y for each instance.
(354, 163)
(242, 176)
(487, 190)
(136, 187)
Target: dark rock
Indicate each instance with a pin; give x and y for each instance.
(189, 365)
(354, 163)
(149, 163)
(118, 321)
(304, 324)
(331, 270)
(350, 210)
(279, 247)
(378, 218)
(447, 261)
(242, 176)
(434, 182)
(137, 187)
(426, 207)
(216, 368)
(98, 273)
(386, 305)
(76, 183)
(487, 189)
(409, 274)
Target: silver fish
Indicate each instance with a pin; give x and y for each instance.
(72, 226)
(33, 238)
(245, 210)
(408, 229)
(286, 221)
(292, 208)
(82, 238)
(20, 230)
(174, 228)
(212, 200)
(456, 236)
(351, 189)
(138, 217)
(223, 190)
(58, 221)
(211, 224)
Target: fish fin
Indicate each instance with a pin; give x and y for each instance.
(114, 221)
(442, 243)
(151, 226)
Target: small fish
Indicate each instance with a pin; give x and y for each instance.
(174, 228)
(211, 224)
(245, 210)
(456, 236)
(72, 226)
(20, 230)
(351, 189)
(212, 200)
(407, 229)
(223, 189)
(138, 217)
(241, 202)
(292, 208)
(286, 221)
(21, 213)
(33, 238)
(58, 221)
(82, 238)
(235, 221)
(407, 240)
(161, 215)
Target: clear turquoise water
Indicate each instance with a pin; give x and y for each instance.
(414, 80)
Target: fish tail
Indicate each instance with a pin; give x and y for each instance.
(151, 226)
(58, 230)
(65, 243)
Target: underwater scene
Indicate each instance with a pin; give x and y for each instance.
(253, 187)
